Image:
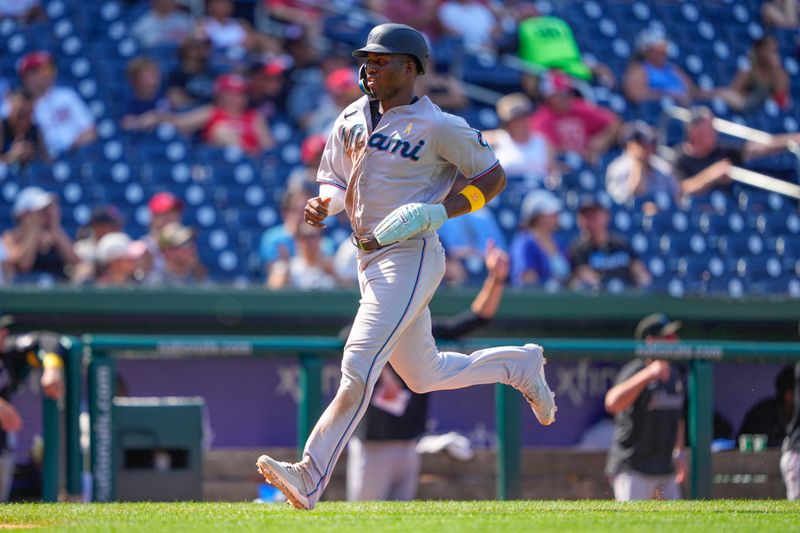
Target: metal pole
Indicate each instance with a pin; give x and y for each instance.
(509, 443)
(701, 407)
(310, 406)
(72, 376)
(51, 464)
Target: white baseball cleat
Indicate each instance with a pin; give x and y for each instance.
(287, 479)
(541, 398)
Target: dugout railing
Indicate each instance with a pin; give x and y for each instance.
(94, 356)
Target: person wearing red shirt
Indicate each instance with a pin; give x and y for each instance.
(227, 122)
(570, 123)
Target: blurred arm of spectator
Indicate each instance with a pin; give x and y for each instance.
(23, 242)
(641, 276)
(779, 143)
(279, 275)
(497, 267)
(780, 13)
(708, 178)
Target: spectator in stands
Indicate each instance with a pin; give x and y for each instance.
(116, 257)
(38, 244)
(20, 352)
(20, 139)
(638, 172)
(182, 266)
(228, 122)
(308, 76)
(269, 92)
(444, 90)
(309, 269)
(651, 75)
(61, 115)
(165, 208)
(646, 461)
(600, 259)
(342, 89)
(763, 78)
(144, 77)
(781, 13)
(570, 123)
(770, 416)
(163, 25)
(419, 14)
(521, 151)
(703, 162)
(536, 257)
(104, 220)
(226, 33)
(790, 456)
(382, 462)
(470, 20)
(549, 43)
(22, 10)
(192, 82)
(277, 242)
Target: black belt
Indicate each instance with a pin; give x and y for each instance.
(366, 244)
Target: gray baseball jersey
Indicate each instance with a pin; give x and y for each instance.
(413, 155)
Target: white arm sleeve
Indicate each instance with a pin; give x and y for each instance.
(336, 195)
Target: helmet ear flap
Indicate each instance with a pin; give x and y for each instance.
(362, 81)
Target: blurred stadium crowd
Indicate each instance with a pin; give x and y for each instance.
(174, 142)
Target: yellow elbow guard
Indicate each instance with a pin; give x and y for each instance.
(51, 360)
(474, 196)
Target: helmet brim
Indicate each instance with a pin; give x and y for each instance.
(372, 48)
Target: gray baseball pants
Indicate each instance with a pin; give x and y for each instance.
(393, 323)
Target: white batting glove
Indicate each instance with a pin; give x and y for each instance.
(408, 220)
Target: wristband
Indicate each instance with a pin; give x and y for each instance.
(474, 196)
(51, 360)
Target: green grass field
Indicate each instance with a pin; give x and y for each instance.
(427, 517)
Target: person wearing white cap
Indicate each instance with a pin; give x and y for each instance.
(116, 256)
(652, 75)
(521, 151)
(536, 257)
(37, 244)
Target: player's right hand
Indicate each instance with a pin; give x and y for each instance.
(9, 417)
(316, 211)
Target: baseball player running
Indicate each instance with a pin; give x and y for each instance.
(391, 162)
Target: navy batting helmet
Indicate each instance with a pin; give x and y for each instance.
(396, 39)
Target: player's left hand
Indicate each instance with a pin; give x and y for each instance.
(679, 463)
(408, 220)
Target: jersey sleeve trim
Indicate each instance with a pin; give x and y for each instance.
(497, 162)
(330, 182)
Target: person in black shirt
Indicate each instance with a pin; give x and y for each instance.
(382, 461)
(192, 82)
(703, 163)
(20, 139)
(601, 259)
(790, 457)
(646, 460)
(19, 353)
(770, 416)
